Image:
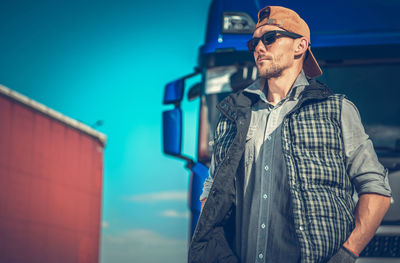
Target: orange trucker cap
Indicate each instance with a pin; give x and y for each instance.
(289, 20)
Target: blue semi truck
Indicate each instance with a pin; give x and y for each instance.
(357, 45)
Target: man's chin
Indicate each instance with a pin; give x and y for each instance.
(270, 74)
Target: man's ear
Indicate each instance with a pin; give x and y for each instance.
(301, 46)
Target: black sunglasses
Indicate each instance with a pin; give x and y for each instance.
(269, 38)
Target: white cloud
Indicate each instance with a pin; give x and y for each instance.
(105, 224)
(175, 214)
(144, 246)
(160, 196)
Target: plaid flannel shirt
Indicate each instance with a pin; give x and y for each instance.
(321, 191)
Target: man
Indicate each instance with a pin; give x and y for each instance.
(287, 155)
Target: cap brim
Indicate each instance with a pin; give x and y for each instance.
(310, 66)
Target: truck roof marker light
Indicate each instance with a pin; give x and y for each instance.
(237, 23)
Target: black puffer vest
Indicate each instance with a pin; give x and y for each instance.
(319, 186)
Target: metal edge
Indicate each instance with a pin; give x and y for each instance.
(52, 113)
(388, 230)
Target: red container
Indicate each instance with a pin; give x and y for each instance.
(51, 170)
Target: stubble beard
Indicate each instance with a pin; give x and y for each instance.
(270, 71)
(273, 70)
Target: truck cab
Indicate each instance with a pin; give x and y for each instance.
(357, 46)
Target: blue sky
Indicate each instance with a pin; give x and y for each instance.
(109, 60)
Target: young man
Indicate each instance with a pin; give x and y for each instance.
(287, 155)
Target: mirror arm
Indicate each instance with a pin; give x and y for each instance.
(189, 162)
(196, 71)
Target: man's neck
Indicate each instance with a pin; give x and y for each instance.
(279, 87)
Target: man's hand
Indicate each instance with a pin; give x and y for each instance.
(343, 256)
(368, 214)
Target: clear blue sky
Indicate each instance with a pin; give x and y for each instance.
(109, 60)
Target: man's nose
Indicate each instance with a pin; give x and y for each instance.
(260, 47)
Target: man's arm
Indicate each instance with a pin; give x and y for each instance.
(368, 214)
(368, 176)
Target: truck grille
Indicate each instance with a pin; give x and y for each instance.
(383, 246)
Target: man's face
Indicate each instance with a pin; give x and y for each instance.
(273, 59)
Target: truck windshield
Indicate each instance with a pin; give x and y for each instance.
(373, 89)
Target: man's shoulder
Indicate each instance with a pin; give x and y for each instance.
(317, 86)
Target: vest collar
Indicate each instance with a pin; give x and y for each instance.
(235, 103)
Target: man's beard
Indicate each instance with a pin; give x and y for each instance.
(274, 70)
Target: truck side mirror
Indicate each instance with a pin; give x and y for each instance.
(172, 131)
(172, 119)
(173, 92)
(194, 91)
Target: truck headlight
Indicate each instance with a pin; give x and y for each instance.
(238, 23)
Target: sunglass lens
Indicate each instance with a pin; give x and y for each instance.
(269, 38)
(252, 43)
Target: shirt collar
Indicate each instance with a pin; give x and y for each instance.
(298, 86)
